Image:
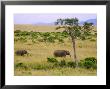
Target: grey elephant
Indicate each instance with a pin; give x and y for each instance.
(21, 52)
(61, 53)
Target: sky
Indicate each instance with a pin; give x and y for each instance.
(48, 17)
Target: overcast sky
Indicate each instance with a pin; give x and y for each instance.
(48, 18)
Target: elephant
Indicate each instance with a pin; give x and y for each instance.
(61, 53)
(21, 52)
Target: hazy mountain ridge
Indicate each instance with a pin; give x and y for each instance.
(94, 21)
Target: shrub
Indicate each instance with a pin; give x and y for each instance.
(62, 63)
(93, 59)
(21, 65)
(71, 64)
(89, 62)
(51, 59)
(17, 31)
(23, 39)
(51, 39)
(81, 63)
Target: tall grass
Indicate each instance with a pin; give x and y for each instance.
(37, 64)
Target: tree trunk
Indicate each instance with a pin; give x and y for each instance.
(74, 48)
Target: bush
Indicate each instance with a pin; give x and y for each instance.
(17, 31)
(50, 39)
(41, 37)
(89, 62)
(62, 63)
(23, 39)
(71, 64)
(21, 65)
(93, 59)
(52, 60)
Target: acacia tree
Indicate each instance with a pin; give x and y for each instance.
(75, 31)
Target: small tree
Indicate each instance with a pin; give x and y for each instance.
(72, 27)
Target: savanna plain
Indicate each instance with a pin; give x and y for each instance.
(40, 42)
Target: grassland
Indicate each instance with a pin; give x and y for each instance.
(35, 28)
(39, 52)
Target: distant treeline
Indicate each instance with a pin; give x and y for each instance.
(52, 37)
